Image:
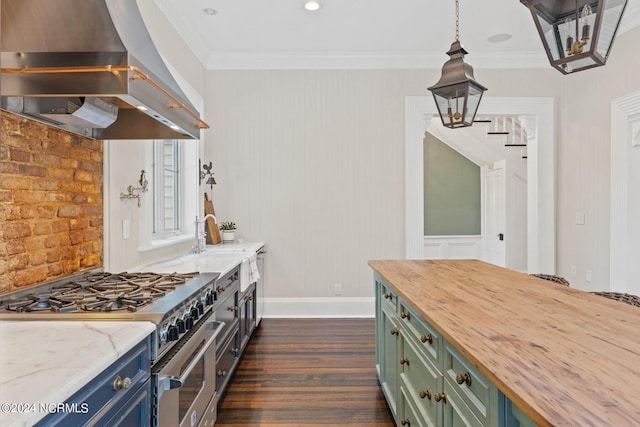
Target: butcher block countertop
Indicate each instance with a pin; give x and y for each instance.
(564, 356)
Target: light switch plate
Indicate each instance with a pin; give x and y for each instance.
(125, 229)
(580, 218)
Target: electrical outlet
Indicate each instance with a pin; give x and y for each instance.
(338, 288)
(587, 276)
(573, 272)
(580, 218)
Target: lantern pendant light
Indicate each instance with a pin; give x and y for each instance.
(457, 94)
(576, 34)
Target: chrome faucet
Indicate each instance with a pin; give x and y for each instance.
(197, 248)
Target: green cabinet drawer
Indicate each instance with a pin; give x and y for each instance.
(389, 297)
(389, 355)
(475, 389)
(422, 382)
(425, 337)
(410, 415)
(456, 411)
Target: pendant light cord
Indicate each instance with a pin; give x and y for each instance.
(457, 22)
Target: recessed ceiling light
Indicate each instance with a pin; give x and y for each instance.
(141, 107)
(174, 127)
(312, 5)
(499, 38)
(209, 11)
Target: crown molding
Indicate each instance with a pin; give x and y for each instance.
(380, 60)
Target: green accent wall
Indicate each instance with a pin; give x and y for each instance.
(451, 191)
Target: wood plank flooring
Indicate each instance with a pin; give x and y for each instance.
(307, 372)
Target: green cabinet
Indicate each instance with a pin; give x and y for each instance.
(427, 382)
(387, 344)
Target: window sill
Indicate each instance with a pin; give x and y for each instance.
(163, 243)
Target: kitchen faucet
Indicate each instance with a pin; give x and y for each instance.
(197, 248)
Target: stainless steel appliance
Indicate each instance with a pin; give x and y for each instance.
(180, 305)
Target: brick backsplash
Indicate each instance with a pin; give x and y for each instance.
(51, 221)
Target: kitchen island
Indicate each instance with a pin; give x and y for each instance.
(502, 348)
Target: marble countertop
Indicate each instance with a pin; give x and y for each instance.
(46, 362)
(220, 259)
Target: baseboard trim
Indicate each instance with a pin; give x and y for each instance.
(319, 307)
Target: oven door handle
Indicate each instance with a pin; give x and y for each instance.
(168, 382)
(171, 382)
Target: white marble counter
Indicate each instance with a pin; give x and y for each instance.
(220, 259)
(46, 362)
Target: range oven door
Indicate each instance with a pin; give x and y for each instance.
(185, 379)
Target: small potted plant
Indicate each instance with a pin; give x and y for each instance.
(228, 229)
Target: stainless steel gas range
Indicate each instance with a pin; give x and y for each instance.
(180, 305)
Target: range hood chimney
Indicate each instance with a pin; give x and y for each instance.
(90, 67)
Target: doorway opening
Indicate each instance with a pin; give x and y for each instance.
(540, 173)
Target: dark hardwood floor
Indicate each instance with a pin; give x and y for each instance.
(307, 372)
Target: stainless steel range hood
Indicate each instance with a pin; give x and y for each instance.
(80, 64)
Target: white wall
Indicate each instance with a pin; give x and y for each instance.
(311, 162)
(584, 161)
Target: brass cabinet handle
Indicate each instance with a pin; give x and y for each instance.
(441, 396)
(233, 308)
(426, 394)
(221, 288)
(121, 383)
(404, 361)
(395, 331)
(222, 373)
(405, 315)
(250, 298)
(427, 338)
(388, 296)
(406, 422)
(464, 378)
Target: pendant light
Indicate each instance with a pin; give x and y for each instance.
(457, 94)
(576, 34)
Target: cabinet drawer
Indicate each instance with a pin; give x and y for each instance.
(227, 284)
(456, 411)
(422, 382)
(410, 415)
(426, 338)
(388, 297)
(226, 358)
(473, 387)
(111, 390)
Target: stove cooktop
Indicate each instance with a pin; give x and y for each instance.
(104, 292)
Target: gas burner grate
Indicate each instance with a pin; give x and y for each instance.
(101, 292)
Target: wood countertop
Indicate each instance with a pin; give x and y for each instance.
(565, 357)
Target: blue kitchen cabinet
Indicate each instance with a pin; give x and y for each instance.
(119, 396)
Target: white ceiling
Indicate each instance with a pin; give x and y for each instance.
(272, 34)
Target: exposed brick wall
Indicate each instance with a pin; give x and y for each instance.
(51, 220)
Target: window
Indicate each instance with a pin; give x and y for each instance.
(167, 184)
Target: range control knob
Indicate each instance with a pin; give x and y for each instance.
(163, 336)
(188, 322)
(200, 308)
(181, 326)
(195, 313)
(210, 298)
(172, 333)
